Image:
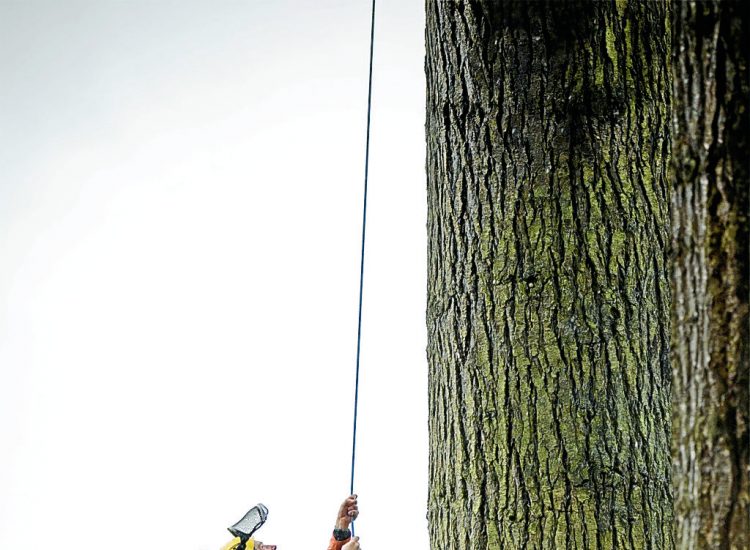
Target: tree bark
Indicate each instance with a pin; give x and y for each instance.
(548, 314)
(710, 273)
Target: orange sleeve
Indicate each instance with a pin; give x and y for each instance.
(337, 544)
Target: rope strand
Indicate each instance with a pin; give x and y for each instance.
(362, 256)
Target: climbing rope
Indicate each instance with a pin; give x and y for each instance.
(362, 256)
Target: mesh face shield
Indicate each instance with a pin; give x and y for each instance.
(250, 522)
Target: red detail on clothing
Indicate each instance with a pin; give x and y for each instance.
(337, 544)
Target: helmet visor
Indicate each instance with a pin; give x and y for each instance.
(250, 522)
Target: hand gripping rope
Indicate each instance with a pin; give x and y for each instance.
(362, 256)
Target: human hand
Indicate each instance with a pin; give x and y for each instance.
(348, 512)
(352, 544)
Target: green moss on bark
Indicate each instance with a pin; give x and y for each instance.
(548, 295)
(710, 275)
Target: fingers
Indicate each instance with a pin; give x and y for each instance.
(348, 512)
(353, 507)
(352, 544)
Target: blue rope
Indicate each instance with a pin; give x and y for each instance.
(362, 256)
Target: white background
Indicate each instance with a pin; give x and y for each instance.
(180, 217)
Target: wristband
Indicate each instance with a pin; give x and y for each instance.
(341, 534)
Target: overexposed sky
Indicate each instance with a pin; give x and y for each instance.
(180, 217)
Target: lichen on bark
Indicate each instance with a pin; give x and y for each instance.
(548, 290)
(710, 275)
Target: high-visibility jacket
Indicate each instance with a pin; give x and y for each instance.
(232, 544)
(235, 542)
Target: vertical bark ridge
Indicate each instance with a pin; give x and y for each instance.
(548, 292)
(711, 122)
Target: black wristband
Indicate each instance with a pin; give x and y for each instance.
(341, 534)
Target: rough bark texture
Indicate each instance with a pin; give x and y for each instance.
(710, 275)
(548, 290)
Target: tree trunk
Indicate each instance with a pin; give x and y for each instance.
(548, 285)
(710, 274)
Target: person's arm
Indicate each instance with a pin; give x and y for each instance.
(338, 544)
(348, 512)
(348, 544)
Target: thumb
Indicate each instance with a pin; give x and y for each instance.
(355, 539)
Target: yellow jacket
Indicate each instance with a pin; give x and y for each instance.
(232, 544)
